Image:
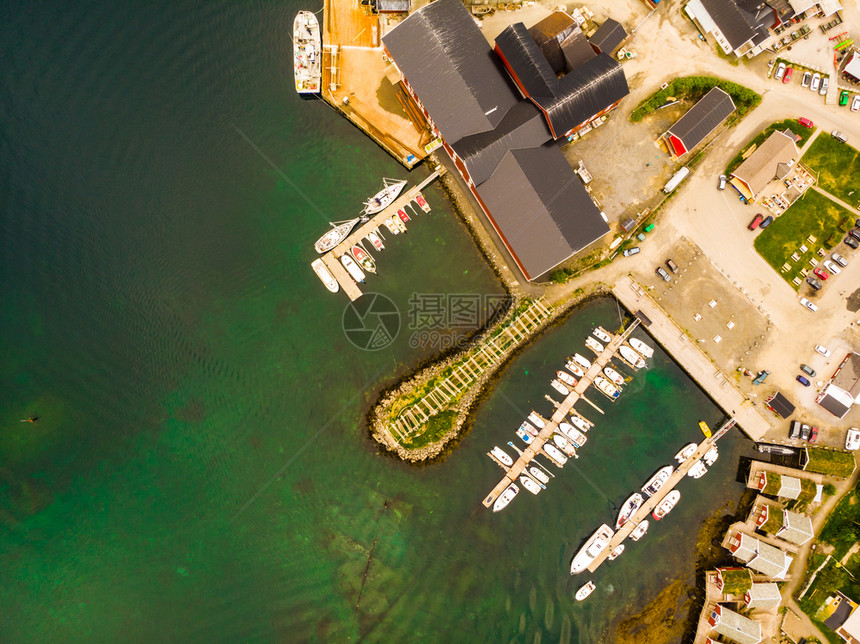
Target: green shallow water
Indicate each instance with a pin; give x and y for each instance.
(200, 471)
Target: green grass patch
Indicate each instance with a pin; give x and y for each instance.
(812, 214)
(736, 581)
(773, 483)
(780, 126)
(830, 462)
(436, 428)
(808, 490)
(774, 521)
(838, 168)
(692, 88)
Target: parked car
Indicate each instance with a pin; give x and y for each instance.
(767, 221)
(820, 348)
(631, 251)
(825, 83)
(788, 72)
(855, 233)
(807, 77)
(780, 72)
(813, 434)
(843, 97)
(830, 266)
(809, 371)
(820, 272)
(814, 283)
(808, 304)
(805, 122)
(722, 183)
(663, 274)
(672, 265)
(855, 104)
(804, 432)
(802, 381)
(852, 439)
(836, 257)
(816, 82)
(794, 429)
(850, 241)
(839, 136)
(755, 222)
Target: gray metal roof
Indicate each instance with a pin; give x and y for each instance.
(736, 24)
(738, 628)
(608, 36)
(834, 405)
(540, 208)
(449, 64)
(527, 62)
(703, 118)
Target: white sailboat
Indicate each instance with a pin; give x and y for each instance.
(384, 197)
(336, 235)
(633, 503)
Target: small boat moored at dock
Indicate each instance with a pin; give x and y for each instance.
(530, 484)
(616, 378)
(767, 448)
(422, 202)
(601, 334)
(393, 228)
(403, 216)
(656, 482)
(336, 235)
(307, 53)
(574, 435)
(575, 369)
(537, 420)
(382, 199)
(363, 258)
(325, 275)
(502, 456)
(616, 553)
(607, 388)
(555, 454)
(566, 378)
(564, 445)
(538, 474)
(665, 506)
(631, 357)
(527, 438)
(686, 452)
(640, 530)
(698, 470)
(582, 362)
(597, 543)
(633, 503)
(594, 345)
(560, 388)
(580, 423)
(352, 268)
(585, 591)
(642, 349)
(506, 497)
(527, 427)
(375, 239)
(711, 455)
(705, 429)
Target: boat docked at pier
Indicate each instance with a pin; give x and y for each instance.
(352, 268)
(564, 445)
(640, 530)
(656, 482)
(574, 368)
(686, 452)
(554, 454)
(384, 198)
(536, 420)
(585, 591)
(665, 506)
(560, 388)
(527, 427)
(403, 216)
(633, 503)
(601, 334)
(566, 378)
(422, 202)
(597, 543)
(616, 378)
(607, 388)
(767, 448)
(697, 471)
(336, 235)
(538, 474)
(527, 438)
(307, 53)
(582, 361)
(641, 348)
(574, 435)
(616, 553)
(325, 275)
(506, 497)
(374, 238)
(502, 456)
(580, 423)
(363, 258)
(633, 358)
(393, 225)
(594, 345)
(711, 455)
(530, 484)
(705, 429)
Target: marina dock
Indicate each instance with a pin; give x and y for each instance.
(562, 411)
(332, 257)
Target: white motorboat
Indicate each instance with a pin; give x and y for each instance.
(585, 591)
(686, 452)
(566, 378)
(582, 361)
(560, 388)
(574, 435)
(538, 474)
(555, 454)
(665, 506)
(633, 503)
(506, 497)
(580, 423)
(392, 226)
(352, 268)
(527, 427)
(325, 275)
(601, 334)
(537, 421)
(597, 543)
(656, 482)
(640, 530)
(698, 470)
(607, 388)
(616, 553)
(527, 438)
(711, 455)
(384, 197)
(502, 456)
(642, 349)
(633, 358)
(616, 378)
(336, 235)
(575, 369)
(375, 239)
(530, 484)
(594, 345)
(564, 445)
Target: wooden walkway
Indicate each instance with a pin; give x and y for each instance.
(535, 447)
(332, 258)
(686, 353)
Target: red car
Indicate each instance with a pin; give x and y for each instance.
(755, 222)
(813, 435)
(821, 273)
(787, 77)
(806, 122)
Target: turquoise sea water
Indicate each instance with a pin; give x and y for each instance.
(200, 470)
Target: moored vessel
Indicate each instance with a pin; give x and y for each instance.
(640, 530)
(594, 345)
(574, 435)
(665, 506)
(502, 456)
(607, 388)
(601, 334)
(307, 49)
(422, 202)
(506, 497)
(363, 258)
(633, 358)
(384, 197)
(597, 543)
(642, 349)
(527, 438)
(656, 482)
(628, 508)
(616, 378)
(616, 553)
(352, 268)
(538, 474)
(526, 426)
(530, 484)
(774, 449)
(564, 445)
(580, 423)
(582, 361)
(566, 378)
(393, 228)
(705, 429)
(686, 452)
(711, 455)
(575, 369)
(336, 235)
(555, 454)
(536, 420)
(325, 275)
(585, 591)
(376, 240)
(697, 471)
(403, 216)
(560, 388)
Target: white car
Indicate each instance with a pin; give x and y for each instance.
(807, 77)
(825, 83)
(855, 104)
(816, 82)
(808, 304)
(830, 266)
(823, 350)
(780, 71)
(836, 257)
(852, 439)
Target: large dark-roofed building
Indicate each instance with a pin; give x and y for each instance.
(780, 405)
(608, 36)
(550, 33)
(523, 58)
(701, 119)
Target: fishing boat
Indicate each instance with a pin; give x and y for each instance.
(580, 423)
(506, 497)
(396, 221)
(363, 258)
(566, 378)
(575, 369)
(403, 216)
(384, 197)
(705, 429)
(601, 334)
(527, 427)
(553, 452)
(616, 553)
(633, 358)
(614, 376)
(711, 455)
(597, 543)
(642, 349)
(633, 503)
(538, 474)
(560, 388)
(352, 268)
(536, 420)
(607, 388)
(594, 345)
(422, 202)
(576, 437)
(502, 456)
(582, 362)
(307, 49)
(774, 449)
(585, 591)
(564, 445)
(686, 452)
(656, 482)
(530, 484)
(698, 470)
(527, 438)
(376, 240)
(325, 275)
(640, 530)
(336, 235)
(665, 506)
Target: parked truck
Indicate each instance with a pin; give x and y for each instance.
(676, 180)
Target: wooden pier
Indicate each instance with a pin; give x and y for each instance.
(561, 412)
(332, 258)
